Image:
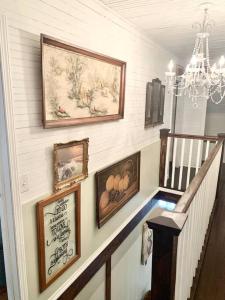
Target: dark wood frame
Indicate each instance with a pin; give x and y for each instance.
(179, 70)
(150, 100)
(148, 104)
(87, 120)
(41, 239)
(58, 185)
(101, 222)
(161, 103)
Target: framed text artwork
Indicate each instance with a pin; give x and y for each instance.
(80, 86)
(154, 108)
(115, 186)
(58, 224)
(70, 163)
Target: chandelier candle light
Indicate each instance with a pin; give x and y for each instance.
(200, 80)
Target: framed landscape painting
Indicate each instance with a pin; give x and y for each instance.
(70, 163)
(58, 229)
(80, 86)
(115, 186)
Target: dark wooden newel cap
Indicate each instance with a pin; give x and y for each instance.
(164, 132)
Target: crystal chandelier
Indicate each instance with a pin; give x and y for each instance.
(200, 79)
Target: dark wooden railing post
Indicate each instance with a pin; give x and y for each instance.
(221, 136)
(164, 137)
(108, 279)
(166, 229)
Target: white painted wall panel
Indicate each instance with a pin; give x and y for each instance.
(130, 279)
(95, 289)
(91, 25)
(93, 238)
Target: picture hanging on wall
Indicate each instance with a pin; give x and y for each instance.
(70, 163)
(154, 108)
(80, 86)
(115, 186)
(58, 224)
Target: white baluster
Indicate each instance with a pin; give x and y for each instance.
(207, 149)
(166, 175)
(189, 163)
(198, 157)
(181, 164)
(174, 162)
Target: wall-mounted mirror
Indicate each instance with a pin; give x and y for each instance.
(154, 108)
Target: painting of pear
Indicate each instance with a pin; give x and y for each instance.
(115, 186)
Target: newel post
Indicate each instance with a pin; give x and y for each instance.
(164, 138)
(221, 136)
(166, 229)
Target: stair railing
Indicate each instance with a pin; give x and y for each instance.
(179, 236)
(181, 157)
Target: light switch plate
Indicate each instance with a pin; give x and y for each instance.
(24, 185)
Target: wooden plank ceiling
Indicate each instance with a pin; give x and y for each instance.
(169, 22)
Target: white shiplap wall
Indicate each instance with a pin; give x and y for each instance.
(88, 24)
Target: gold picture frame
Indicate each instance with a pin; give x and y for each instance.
(70, 163)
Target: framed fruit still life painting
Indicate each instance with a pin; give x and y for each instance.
(115, 186)
(80, 86)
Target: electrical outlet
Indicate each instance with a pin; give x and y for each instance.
(24, 186)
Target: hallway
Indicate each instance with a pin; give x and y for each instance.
(211, 285)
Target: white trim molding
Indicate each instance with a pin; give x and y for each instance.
(11, 206)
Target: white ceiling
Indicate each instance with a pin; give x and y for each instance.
(169, 22)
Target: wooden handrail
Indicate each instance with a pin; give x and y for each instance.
(186, 199)
(194, 137)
